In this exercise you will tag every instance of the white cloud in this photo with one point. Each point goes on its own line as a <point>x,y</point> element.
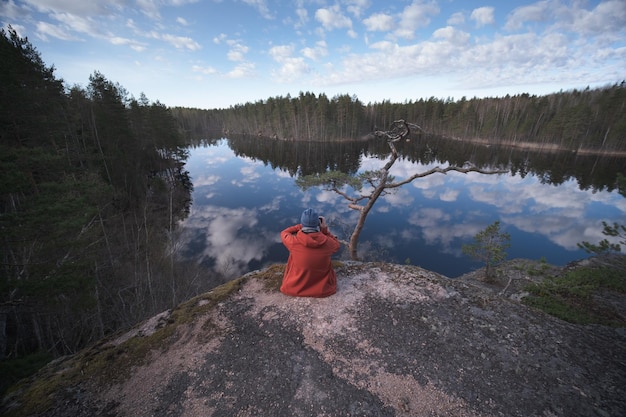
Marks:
<point>302,14</point>
<point>452,35</point>
<point>483,16</point>
<point>315,53</point>
<point>206,180</point>
<point>204,70</point>
<point>245,69</point>
<point>398,197</point>
<point>237,52</point>
<point>219,38</point>
<point>213,159</point>
<point>456,19</point>
<point>325,196</point>
<point>78,8</point>
<point>291,68</point>
<point>357,7</point>
<point>78,24</point>
<point>435,225</point>
<point>149,7</point>
<point>130,23</point>
<point>379,22</point>
<point>415,16</point>
<point>281,52</point>
<point>384,46</point>
<point>449,195</point>
<point>608,17</point>
<point>549,57</point>
<point>332,18</point>
<point>537,12</point>
<point>273,205</point>
<point>543,45</point>
<point>10,10</point>
<point>230,240</point>
<point>261,6</point>
<point>45,29</point>
<point>249,174</point>
<point>180,42</point>
<point>430,182</point>
<point>515,195</point>
<point>136,46</point>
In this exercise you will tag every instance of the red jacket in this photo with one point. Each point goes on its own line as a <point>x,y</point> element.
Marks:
<point>309,272</point>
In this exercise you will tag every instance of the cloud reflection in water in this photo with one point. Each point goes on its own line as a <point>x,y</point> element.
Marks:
<point>241,204</point>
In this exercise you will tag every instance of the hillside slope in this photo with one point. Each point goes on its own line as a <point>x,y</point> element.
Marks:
<point>394,341</point>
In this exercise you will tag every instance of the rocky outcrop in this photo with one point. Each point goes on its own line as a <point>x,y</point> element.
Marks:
<point>394,341</point>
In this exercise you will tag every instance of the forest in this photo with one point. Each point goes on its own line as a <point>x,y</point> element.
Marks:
<point>589,120</point>
<point>591,172</point>
<point>93,182</point>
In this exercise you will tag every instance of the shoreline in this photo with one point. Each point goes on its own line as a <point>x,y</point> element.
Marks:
<point>540,147</point>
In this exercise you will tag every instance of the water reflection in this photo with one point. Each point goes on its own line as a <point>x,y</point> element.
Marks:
<point>241,202</point>
<point>228,239</point>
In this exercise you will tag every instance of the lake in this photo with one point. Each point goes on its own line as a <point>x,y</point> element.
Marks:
<point>245,194</point>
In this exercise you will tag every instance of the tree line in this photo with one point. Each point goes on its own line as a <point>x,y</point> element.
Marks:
<point>298,158</point>
<point>93,182</point>
<point>589,119</point>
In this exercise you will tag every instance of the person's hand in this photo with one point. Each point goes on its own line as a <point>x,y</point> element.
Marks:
<point>323,224</point>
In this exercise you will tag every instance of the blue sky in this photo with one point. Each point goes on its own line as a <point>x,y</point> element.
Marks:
<point>218,53</point>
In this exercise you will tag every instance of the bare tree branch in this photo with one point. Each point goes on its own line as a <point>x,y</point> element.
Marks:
<point>444,171</point>
<point>380,180</point>
<point>400,129</point>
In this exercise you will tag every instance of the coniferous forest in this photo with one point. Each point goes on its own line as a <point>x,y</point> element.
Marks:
<point>93,183</point>
<point>588,120</point>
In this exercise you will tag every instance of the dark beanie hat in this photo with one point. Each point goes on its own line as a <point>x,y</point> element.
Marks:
<point>310,219</point>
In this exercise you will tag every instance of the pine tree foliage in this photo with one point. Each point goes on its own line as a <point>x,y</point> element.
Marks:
<point>92,183</point>
<point>489,247</point>
<point>616,231</point>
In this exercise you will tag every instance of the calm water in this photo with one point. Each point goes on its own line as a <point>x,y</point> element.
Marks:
<point>241,203</point>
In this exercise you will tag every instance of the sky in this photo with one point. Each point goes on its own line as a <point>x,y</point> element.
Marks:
<point>219,53</point>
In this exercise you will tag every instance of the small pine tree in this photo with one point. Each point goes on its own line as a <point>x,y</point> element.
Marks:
<point>489,247</point>
<point>604,247</point>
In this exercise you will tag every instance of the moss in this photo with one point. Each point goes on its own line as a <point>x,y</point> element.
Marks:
<point>13,370</point>
<point>36,394</point>
<point>578,311</point>
<point>272,276</point>
<point>570,297</point>
<point>539,269</point>
<point>337,264</point>
<point>106,363</point>
<point>201,304</point>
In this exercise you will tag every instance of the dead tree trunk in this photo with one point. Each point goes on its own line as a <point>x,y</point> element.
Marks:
<point>400,130</point>
<point>380,181</point>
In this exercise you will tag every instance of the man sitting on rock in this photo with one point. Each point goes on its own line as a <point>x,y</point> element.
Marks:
<point>309,272</point>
